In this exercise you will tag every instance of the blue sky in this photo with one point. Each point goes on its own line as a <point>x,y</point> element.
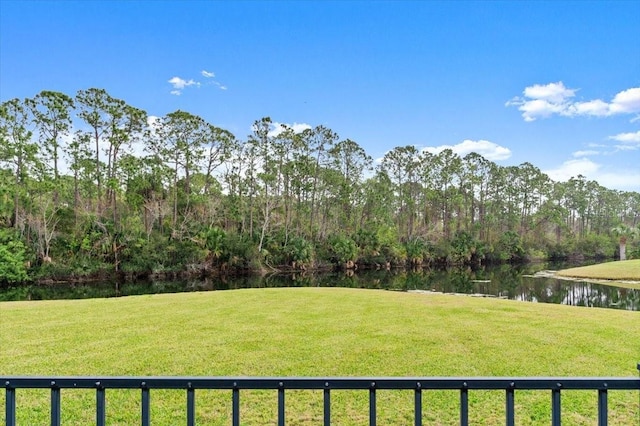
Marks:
<point>556,84</point>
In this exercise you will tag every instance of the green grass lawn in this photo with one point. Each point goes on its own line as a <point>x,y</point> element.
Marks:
<point>620,270</point>
<point>317,332</point>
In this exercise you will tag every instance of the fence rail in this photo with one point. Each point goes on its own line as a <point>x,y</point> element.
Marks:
<point>555,385</point>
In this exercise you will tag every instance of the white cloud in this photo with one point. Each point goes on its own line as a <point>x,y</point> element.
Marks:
<point>278,128</point>
<point>539,108</point>
<point>629,141</point>
<point>300,127</point>
<point>596,108</point>
<point>179,84</point>
<point>541,101</point>
<point>211,74</point>
<point>220,86</point>
<point>626,102</point>
<point>586,153</point>
<point>553,92</point>
<point>627,137</point>
<point>573,168</point>
<point>489,150</point>
<point>621,179</point>
<point>624,180</point>
<point>152,122</point>
<point>152,119</point>
<point>627,147</point>
<point>597,145</point>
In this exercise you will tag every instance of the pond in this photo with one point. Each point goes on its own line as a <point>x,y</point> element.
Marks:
<point>504,281</point>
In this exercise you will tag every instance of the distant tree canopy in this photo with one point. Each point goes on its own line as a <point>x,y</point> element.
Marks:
<point>78,199</point>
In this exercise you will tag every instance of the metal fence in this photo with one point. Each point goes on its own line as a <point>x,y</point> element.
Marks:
<point>554,385</point>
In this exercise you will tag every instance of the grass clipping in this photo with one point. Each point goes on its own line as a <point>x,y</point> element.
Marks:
<point>317,332</point>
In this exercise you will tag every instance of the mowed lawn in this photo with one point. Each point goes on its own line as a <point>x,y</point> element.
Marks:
<point>317,332</point>
<point>619,270</point>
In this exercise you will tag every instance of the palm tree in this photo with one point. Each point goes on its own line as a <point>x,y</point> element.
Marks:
<point>624,232</point>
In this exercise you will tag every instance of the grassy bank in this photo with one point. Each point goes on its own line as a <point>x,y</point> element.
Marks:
<point>317,332</point>
<point>627,270</point>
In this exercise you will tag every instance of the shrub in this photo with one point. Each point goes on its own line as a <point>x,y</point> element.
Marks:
<point>12,259</point>
<point>596,246</point>
<point>418,250</point>
<point>509,248</point>
<point>299,250</point>
<point>214,242</point>
<point>343,248</point>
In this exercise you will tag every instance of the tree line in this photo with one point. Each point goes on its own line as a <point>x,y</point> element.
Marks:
<point>77,201</point>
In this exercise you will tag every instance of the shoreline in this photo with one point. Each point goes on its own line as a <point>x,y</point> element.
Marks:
<point>610,282</point>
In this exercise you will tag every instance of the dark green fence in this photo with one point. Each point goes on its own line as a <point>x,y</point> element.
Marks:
<point>554,385</point>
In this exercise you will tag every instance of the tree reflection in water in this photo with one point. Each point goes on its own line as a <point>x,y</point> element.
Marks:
<point>504,281</point>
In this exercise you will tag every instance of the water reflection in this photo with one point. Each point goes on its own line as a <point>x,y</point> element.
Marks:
<point>504,281</point>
